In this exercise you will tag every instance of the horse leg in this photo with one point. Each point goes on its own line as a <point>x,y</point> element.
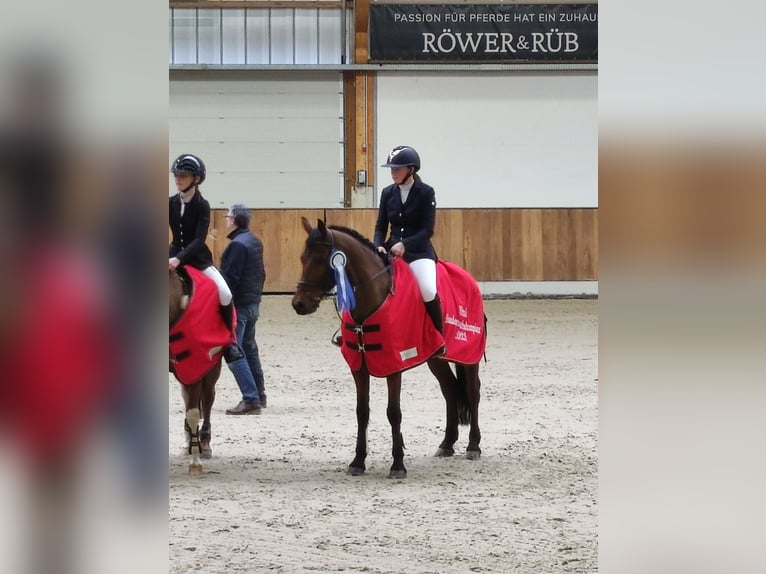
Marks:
<point>192,395</point>
<point>187,431</point>
<point>473,390</point>
<point>394,414</point>
<point>362,381</point>
<point>192,419</point>
<point>448,383</point>
<point>208,398</point>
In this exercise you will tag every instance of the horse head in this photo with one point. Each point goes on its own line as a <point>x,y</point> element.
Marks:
<point>336,255</point>
<point>317,278</point>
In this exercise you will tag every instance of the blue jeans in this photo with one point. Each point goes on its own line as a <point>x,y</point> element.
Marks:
<point>247,371</point>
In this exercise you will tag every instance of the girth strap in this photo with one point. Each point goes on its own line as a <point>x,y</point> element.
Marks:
<point>362,328</point>
<point>362,347</point>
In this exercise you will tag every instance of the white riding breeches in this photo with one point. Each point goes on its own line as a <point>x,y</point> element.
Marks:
<point>224,293</point>
<point>424,271</point>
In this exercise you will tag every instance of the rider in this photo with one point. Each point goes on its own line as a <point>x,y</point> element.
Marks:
<point>409,207</point>
<point>189,215</point>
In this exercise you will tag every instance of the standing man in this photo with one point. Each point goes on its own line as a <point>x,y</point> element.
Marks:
<point>242,267</point>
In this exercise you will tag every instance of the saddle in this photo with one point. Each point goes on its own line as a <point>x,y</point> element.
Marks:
<point>400,335</point>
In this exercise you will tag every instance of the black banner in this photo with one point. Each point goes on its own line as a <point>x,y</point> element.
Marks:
<point>484,33</point>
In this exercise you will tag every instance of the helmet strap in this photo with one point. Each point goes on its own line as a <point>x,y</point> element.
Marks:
<point>407,177</point>
<point>193,184</point>
<point>188,187</point>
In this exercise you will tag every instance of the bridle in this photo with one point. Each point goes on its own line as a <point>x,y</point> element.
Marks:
<point>326,291</point>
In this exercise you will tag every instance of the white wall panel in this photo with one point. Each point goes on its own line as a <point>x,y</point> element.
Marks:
<point>330,32</point>
<point>499,139</point>
<point>258,38</point>
<point>306,34</point>
<point>236,36</point>
<point>209,35</point>
<point>233,34</point>
<point>282,36</point>
<point>269,139</point>
<point>184,31</point>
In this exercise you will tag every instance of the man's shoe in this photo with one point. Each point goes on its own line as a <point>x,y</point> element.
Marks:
<point>263,403</point>
<point>245,408</point>
<point>233,353</point>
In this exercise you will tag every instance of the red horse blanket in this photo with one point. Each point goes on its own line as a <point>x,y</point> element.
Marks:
<point>61,358</point>
<point>400,335</point>
<point>198,336</point>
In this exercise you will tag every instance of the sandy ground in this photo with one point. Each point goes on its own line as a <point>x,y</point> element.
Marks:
<point>276,496</point>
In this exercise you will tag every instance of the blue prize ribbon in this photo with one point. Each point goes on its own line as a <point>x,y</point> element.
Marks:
<point>346,298</point>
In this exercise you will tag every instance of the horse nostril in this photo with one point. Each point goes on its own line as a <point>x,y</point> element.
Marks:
<point>298,306</point>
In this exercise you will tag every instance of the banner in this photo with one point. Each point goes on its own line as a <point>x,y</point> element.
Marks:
<point>483,33</point>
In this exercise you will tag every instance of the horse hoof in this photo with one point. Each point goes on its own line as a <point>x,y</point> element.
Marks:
<point>355,471</point>
<point>195,469</point>
<point>206,454</point>
<point>397,474</point>
<point>473,454</point>
<point>444,452</point>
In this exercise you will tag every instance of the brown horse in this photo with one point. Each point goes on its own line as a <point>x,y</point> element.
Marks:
<point>371,281</point>
<point>198,395</point>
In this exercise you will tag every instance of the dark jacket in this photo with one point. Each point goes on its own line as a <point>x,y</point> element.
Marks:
<point>190,231</point>
<point>411,223</point>
<point>242,267</point>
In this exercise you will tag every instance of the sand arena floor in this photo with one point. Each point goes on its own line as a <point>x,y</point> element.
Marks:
<point>276,496</point>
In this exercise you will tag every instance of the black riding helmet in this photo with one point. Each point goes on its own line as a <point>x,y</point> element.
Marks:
<point>191,164</point>
<point>403,156</point>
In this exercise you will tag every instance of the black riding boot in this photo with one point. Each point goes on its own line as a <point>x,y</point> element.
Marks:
<point>231,352</point>
<point>434,309</point>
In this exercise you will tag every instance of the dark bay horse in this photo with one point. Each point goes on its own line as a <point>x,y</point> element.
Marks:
<point>198,394</point>
<point>371,281</point>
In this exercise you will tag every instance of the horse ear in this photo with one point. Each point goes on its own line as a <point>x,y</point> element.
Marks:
<point>321,226</point>
<point>306,225</point>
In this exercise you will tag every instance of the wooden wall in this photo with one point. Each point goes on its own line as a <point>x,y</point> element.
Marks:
<point>492,244</point>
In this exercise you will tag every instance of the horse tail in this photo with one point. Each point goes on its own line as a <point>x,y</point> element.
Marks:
<point>461,396</point>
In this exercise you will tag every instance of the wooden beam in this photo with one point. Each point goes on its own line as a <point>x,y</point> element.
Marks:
<point>361,30</point>
<point>349,135</point>
<point>363,90</point>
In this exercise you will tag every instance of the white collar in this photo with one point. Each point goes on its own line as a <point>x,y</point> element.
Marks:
<point>186,197</point>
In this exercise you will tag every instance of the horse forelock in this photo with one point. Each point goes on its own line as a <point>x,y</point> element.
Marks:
<point>314,238</point>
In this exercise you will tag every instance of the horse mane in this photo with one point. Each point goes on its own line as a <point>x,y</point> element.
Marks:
<point>356,235</point>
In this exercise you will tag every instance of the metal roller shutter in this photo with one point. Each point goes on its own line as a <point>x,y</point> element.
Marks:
<point>269,139</point>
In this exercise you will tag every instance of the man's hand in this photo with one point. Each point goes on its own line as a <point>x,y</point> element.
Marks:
<point>173,262</point>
